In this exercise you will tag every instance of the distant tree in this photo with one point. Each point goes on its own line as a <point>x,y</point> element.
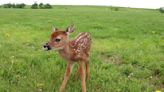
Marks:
<point>47,6</point>
<point>116,9</point>
<point>161,9</point>
<point>22,5</point>
<point>34,6</point>
<point>13,6</point>
<point>41,5</point>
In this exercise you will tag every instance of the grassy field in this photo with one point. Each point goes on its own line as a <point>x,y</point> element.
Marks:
<point>127,53</point>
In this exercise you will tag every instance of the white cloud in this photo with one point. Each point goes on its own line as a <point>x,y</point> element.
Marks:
<point>124,3</point>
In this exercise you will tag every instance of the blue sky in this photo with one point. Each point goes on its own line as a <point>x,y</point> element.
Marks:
<point>123,3</point>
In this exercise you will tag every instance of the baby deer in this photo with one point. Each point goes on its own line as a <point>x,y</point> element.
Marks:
<point>76,50</point>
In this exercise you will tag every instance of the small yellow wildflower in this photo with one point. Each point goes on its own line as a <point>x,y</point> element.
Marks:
<point>7,35</point>
<point>18,77</point>
<point>157,91</point>
<point>40,85</point>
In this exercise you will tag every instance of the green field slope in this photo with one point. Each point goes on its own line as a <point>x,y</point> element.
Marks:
<point>127,52</point>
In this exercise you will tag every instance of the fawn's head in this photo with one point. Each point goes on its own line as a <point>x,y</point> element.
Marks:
<point>59,38</point>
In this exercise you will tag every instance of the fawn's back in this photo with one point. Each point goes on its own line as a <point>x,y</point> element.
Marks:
<point>81,45</point>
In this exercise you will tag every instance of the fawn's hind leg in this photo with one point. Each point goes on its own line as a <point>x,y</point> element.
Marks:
<point>82,76</point>
<point>87,70</point>
<point>77,74</point>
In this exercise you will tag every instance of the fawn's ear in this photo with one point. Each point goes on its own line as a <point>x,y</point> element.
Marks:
<point>53,29</point>
<point>70,29</point>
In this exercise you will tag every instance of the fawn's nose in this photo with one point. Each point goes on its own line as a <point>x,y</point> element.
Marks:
<point>46,47</point>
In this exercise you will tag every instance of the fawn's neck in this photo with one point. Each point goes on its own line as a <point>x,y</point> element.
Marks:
<point>66,51</point>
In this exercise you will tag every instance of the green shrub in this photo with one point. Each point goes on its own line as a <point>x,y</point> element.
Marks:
<point>115,8</point>
<point>161,9</point>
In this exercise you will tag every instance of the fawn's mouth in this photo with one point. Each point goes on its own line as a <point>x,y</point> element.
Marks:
<point>46,47</point>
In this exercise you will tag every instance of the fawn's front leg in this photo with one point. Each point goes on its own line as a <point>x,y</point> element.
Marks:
<point>66,77</point>
<point>82,76</point>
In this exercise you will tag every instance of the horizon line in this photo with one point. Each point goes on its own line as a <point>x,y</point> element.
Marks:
<point>87,5</point>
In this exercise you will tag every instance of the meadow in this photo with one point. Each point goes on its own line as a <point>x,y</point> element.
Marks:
<point>127,53</point>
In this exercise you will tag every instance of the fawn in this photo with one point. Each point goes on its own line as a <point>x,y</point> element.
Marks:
<point>76,50</point>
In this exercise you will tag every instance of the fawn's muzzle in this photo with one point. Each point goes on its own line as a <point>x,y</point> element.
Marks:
<point>46,47</point>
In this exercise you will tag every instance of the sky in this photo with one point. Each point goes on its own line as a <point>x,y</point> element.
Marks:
<point>152,4</point>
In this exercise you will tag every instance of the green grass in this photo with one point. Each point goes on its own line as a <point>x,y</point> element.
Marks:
<point>127,53</point>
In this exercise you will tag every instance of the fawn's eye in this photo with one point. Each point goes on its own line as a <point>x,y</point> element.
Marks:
<point>57,40</point>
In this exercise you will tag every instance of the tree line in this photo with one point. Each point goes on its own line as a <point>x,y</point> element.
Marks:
<point>41,6</point>
<point>9,5</point>
<point>22,5</point>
